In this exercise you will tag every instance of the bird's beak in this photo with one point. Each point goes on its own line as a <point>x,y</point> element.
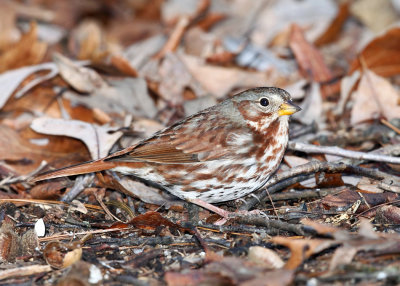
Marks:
<point>288,108</point>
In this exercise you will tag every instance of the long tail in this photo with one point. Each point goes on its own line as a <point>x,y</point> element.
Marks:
<point>83,168</point>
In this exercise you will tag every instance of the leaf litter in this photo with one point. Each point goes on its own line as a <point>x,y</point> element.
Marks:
<point>82,79</point>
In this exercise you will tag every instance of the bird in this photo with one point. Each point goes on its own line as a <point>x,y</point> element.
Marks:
<point>219,154</point>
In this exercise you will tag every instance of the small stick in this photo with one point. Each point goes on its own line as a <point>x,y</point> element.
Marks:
<point>390,125</point>
<point>309,148</point>
<point>314,167</point>
<point>174,38</point>
<point>24,271</point>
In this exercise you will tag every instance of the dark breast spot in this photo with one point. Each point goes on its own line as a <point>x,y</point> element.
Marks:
<point>264,141</point>
<point>202,176</point>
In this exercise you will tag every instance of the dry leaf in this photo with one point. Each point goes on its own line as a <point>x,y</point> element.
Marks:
<point>195,105</point>
<point>333,31</point>
<point>369,185</point>
<point>388,215</point>
<point>220,81</point>
<point>86,41</point>
<point>19,151</point>
<point>258,58</point>
<point>231,271</point>
<point>28,51</point>
<point>382,54</point>
<point>120,96</point>
<point>149,194</point>
<point>374,98</point>
<point>294,161</point>
<point>98,139</point>
<point>140,53</point>
<point>123,65</point>
<point>173,77</point>
<point>81,273</point>
<point>347,85</point>
<point>80,78</point>
<point>377,15</point>
<point>301,249</point>
<point>366,240</point>
<point>265,257</point>
<point>9,32</point>
<point>310,60</point>
<point>320,227</point>
<point>312,110</point>
<point>10,80</point>
<point>315,15</point>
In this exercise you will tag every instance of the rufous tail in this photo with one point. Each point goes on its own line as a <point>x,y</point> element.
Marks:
<point>79,169</point>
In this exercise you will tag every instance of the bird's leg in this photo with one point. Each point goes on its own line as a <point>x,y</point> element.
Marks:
<point>210,207</point>
<point>226,215</point>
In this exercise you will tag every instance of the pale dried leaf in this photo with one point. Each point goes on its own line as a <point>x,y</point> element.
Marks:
<point>377,15</point>
<point>381,53</point>
<point>342,256</point>
<point>140,53</point>
<point>10,80</point>
<point>311,107</point>
<point>173,9</point>
<point>369,185</point>
<point>199,43</point>
<point>28,51</point>
<point>149,194</point>
<point>76,205</point>
<point>220,80</point>
<point>351,180</point>
<point>374,97</point>
<point>265,257</point>
<point>346,86</point>
<point>175,78</point>
<point>98,139</point>
<point>72,257</point>
<point>297,89</point>
<point>294,161</point>
<point>195,105</point>
<point>9,32</point>
<point>366,229</point>
<point>315,15</point>
<point>128,95</point>
<point>86,40</point>
<point>80,78</point>
<point>259,58</point>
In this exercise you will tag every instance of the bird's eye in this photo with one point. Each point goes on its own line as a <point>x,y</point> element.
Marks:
<point>264,101</point>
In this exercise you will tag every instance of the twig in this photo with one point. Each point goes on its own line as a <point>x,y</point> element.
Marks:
<point>175,37</point>
<point>69,235</point>
<point>277,224</point>
<point>24,271</point>
<point>273,187</point>
<point>132,242</point>
<point>272,202</point>
<point>80,184</point>
<point>99,200</point>
<point>309,148</point>
<point>314,167</point>
<point>23,178</point>
<point>390,125</point>
<point>306,194</point>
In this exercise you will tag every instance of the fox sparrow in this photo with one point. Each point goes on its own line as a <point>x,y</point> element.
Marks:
<point>219,154</point>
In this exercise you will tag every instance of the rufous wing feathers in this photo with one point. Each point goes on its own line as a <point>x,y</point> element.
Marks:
<point>79,169</point>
